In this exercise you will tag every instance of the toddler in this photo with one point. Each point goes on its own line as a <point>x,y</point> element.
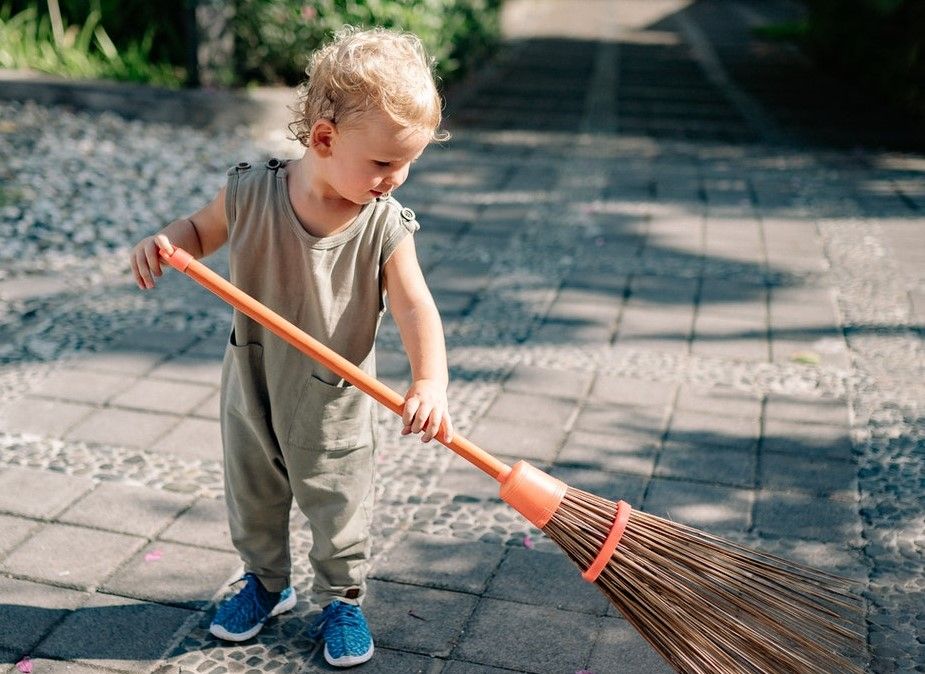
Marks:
<point>322,241</point>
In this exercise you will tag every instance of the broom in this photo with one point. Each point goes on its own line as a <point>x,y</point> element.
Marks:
<point>707,605</point>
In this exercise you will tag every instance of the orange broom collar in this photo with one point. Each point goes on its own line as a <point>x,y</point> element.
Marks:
<point>610,544</point>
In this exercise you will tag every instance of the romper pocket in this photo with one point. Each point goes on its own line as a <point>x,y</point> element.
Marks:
<point>331,417</point>
<point>244,387</point>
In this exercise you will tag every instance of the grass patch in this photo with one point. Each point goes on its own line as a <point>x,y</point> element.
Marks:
<point>34,41</point>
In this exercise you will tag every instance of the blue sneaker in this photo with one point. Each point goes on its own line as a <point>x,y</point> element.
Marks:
<point>347,641</point>
<point>243,616</point>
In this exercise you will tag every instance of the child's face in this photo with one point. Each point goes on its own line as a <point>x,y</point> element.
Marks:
<point>371,156</point>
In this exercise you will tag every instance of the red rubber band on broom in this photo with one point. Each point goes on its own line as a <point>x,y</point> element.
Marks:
<point>610,543</point>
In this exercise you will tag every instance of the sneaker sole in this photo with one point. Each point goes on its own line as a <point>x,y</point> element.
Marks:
<point>218,631</point>
<point>348,660</point>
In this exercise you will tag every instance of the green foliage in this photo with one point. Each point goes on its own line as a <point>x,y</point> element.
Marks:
<point>30,39</point>
<point>274,39</point>
<point>147,41</point>
<point>790,31</point>
<point>881,43</point>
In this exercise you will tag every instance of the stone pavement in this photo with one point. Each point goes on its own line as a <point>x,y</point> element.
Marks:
<point>659,280</point>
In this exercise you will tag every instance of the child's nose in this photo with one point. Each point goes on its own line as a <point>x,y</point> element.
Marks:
<point>396,178</point>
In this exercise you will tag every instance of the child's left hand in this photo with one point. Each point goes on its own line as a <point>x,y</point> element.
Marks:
<point>426,408</point>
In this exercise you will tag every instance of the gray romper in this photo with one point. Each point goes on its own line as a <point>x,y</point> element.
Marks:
<point>290,427</point>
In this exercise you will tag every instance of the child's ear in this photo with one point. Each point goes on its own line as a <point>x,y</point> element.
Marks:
<point>322,137</point>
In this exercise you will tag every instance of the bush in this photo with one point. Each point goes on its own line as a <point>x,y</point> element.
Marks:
<point>30,39</point>
<point>274,39</point>
<point>881,43</point>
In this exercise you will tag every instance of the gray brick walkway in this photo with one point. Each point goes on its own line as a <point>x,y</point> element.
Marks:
<point>657,282</point>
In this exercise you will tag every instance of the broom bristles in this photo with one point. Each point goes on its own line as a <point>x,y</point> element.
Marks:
<point>711,606</point>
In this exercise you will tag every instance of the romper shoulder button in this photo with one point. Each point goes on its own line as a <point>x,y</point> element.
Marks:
<point>242,165</point>
<point>274,164</point>
<point>407,214</point>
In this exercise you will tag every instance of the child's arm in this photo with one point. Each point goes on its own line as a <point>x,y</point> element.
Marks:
<point>201,234</point>
<point>422,336</point>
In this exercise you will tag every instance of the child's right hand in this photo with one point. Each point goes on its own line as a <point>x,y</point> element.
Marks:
<point>146,262</point>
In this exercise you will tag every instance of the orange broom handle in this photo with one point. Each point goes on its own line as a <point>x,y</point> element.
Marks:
<point>183,261</point>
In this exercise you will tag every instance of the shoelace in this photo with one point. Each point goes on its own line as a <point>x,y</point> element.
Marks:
<point>336,615</point>
<point>247,599</point>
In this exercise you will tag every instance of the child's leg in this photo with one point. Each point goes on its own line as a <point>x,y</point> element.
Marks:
<point>258,499</point>
<point>336,494</point>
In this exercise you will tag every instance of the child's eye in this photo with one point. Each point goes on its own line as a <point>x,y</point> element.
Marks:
<point>382,163</point>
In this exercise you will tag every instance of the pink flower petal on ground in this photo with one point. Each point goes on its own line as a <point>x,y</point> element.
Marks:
<point>154,556</point>
<point>528,542</point>
<point>25,665</point>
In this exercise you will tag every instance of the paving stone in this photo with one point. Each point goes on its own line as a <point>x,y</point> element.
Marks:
<point>809,474</point>
<point>442,563</point>
<point>130,363</point>
<point>170,573</point>
<point>625,391</point>
<point>534,441</point>
<point>703,431</point>
<point>807,410</point>
<point>802,516</point>
<point>606,485</point>
<point>205,524</point>
<point>707,463</point>
<point>192,440</point>
<point>713,508</point>
<point>210,409</point>
<point>416,619</point>
<point>122,428</point>
<point>386,661</point>
<point>531,638</point>
<point>633,422</point>
<point>36,416</point>
<point>191,369</point>
<point>72,556</point>
<point>662,329</point>
<point>81,386</point>
<point>47,666</point>
<point>656,291</point>
<point>212,348</point>
<point>817,440</point>
<point>609,453</point>
<point>457,667</point>
<point>562,384</point>
<point>127,509</point>
<point>36,493</point>
<point>463,479</point>
<point>730,338</point>
<point>116,633</point>
<point>154,339</point>
<point>544,579</point>
<point>719,401</point>
<point>31,609</point>
<point>163,396</point>
<point>620,648</point>
<point>13,531</point>
<point>555,331</point>
<point>539,410</point>
<point>732,298</point>
<point>567,308</point>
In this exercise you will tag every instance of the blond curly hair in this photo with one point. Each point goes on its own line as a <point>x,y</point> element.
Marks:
<point>364,70</point>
